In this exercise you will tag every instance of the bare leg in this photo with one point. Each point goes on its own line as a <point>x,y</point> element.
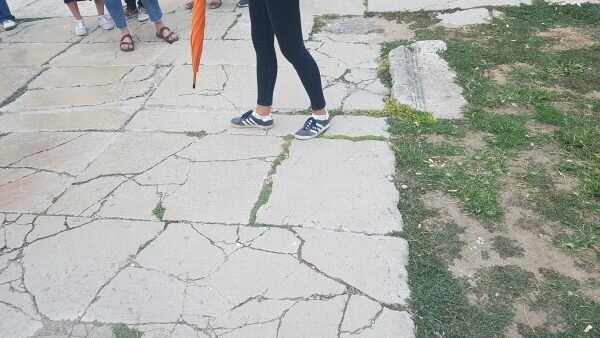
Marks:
<point>263,110</point>
<point>320,112</point>
<point>74,8</point>
<point>100,7</point>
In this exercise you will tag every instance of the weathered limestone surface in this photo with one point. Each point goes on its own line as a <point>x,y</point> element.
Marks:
<point>355,177</point>
<point>424,81</point>
<point>18,77</point>
<point>467,17</point>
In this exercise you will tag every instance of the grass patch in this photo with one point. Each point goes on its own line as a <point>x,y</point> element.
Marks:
<point>123,331</point>
<point>267,188</point>
<point>507,247</point>
<point>198,134</point>
<point>507,70</point>
<point>159,211</point>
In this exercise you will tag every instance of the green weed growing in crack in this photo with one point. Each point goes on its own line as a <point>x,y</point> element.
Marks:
<point>123,331</point>
<point>267,188</point>
<point>159,211</point>
<point>198,134</point>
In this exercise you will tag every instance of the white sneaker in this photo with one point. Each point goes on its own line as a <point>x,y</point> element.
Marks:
<point>80,29</point>
<point>9,24</point>
<point>105,22</point>
<point>143,15</point>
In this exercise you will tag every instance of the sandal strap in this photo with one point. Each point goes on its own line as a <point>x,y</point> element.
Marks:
<point>160,31</point>
<point>125,37</point>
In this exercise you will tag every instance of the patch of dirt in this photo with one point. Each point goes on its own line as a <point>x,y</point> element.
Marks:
<point>567,38</point>
<point>528,317</point>
<point>472,142</point>
<point>566,106</point>
<point>539,251</point>
<point>501,73</point>
<point>513,110</point>
<point>595,95</point>
<point>535,128</point>
<point>549,157</point>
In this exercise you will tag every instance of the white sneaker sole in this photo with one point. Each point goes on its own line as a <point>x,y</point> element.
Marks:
<point>256,126</point>
<point>298,137</point>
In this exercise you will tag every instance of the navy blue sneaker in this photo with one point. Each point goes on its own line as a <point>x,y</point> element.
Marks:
<point>243,3</point>
<point>312,128</point>
<point>249,121</point>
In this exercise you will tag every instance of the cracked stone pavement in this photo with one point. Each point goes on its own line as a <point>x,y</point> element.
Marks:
<point>93,140</point>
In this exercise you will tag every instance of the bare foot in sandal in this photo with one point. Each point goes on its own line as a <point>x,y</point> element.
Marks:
<point>214,4</point>
<point>165,33</point>
<point>189,5</point>
<point>126,43</point>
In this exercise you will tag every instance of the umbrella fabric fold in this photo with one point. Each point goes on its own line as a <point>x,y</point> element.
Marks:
<point>197,36</point>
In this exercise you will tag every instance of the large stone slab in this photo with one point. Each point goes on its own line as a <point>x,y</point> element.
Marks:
<point>18,77</point>
<point>357,126</point>
<point>233,148</point>
<point>108,54</point>
<point>215,193</point>
<point>46,31</point>
<point>30,54</point>
<point>85,199</point>
<point>131,201</point>
<point>70,97</point>
<point>59,77</point>
<point>33,193</point>
<point>466,17</point>
<point>44,9</point>
<point>430,5</point>
<point>355,177</point>
<point>72,157</point>
<point>17,146</point>
<point>70,120</point>
<point>65,283</point>
<point>423,80</point>
<point>220,278</point>
<point>15,323</point>
<point>134,153</point>
<point>375,265</point>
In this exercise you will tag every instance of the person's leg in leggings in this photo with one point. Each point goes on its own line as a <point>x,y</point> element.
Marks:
<point>5,12</point>
<point>284,16</point>
<point>263,39</point>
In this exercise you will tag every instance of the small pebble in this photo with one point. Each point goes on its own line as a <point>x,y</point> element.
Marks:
<point>404,186</point>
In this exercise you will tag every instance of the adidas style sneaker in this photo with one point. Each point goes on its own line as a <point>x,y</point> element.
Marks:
<point>250,120</point>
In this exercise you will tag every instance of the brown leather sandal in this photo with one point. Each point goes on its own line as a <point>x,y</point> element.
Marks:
<point>124,44</point>
<point>166,38</point>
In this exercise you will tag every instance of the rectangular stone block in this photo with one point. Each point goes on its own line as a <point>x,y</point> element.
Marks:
<point>349,185</point>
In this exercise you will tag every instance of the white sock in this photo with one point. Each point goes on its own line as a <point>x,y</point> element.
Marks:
<point>321,117</point>
<point>260,117</point>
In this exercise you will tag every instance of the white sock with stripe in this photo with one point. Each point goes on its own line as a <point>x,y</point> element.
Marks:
<point>260,117</point>
<point>321,117</point>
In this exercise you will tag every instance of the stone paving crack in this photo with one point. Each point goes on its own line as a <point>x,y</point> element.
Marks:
<point>120,269</point>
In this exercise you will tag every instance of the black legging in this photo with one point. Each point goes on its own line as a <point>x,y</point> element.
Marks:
<point>281,18</point>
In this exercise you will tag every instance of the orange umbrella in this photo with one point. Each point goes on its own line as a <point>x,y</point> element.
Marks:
<point>197,37</point>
